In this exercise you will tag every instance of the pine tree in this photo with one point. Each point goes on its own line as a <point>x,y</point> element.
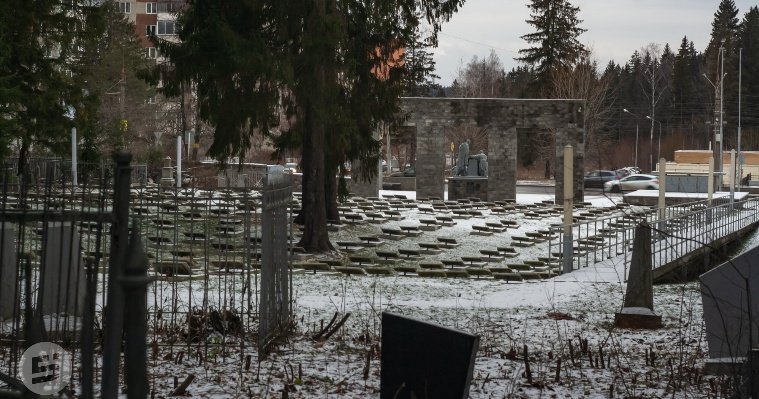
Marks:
<point>724,35</point>
<point>556,45</point>
<point>327,65</point>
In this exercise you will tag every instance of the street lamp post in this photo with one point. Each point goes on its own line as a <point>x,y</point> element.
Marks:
<point>658,149</point>
<point>636,134</point>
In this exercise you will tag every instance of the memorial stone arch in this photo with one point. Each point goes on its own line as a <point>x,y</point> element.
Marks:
<point>501,118</point>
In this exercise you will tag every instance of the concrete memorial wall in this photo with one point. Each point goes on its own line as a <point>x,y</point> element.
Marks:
<point>501,118</point>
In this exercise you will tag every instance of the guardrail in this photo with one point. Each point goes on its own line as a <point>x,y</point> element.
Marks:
<point>683,229</point>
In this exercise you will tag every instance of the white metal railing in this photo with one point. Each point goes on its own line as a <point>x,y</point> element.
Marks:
<point>683,229</point>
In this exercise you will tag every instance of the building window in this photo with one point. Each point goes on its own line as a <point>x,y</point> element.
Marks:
<point>165,27</point>
<point>150,8</point>
<point>150,30</point>
<point>151,52</point>
<point>125,7</point>
<point>151,100</point>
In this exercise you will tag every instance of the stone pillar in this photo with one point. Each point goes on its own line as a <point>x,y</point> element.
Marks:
<point>572,135</point>
<point>638,311</point>
<point>430,160</point>
<point>502,163</point>
<point>9,274</point>
<point>361,188</point>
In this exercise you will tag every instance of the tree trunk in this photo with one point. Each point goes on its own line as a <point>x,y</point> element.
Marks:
<point>315,237</point>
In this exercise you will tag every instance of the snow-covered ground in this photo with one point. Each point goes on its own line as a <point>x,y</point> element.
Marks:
<point>569,317</point>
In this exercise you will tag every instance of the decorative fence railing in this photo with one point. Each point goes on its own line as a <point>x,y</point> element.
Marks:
<point>679,230</point>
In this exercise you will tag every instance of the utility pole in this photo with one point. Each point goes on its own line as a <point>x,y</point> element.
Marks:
<point>721,109</point>
<point>740,154</point>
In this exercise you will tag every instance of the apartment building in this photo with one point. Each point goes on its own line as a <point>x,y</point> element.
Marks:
<point>152,17</point>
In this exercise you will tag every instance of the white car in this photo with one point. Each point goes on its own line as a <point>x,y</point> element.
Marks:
<point>633,182</point>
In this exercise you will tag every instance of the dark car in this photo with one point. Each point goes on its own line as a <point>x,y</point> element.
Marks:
<point>409,172</point>
<point>597,178</point>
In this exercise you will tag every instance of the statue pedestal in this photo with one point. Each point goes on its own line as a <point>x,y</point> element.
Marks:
<point>637,318</point>
<point>460,187</point>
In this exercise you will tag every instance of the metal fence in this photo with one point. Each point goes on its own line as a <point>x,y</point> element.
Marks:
<point>204,249</point>
<point>680,230</point>
<point>276,276</point>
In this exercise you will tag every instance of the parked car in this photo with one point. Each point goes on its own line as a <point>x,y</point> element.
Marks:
<point>624,172</point>
<point>291,167</point>
<point>409,172</point>
<point>633,182</point>
<point>597,178</point>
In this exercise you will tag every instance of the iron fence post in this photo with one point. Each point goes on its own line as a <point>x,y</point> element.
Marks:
<point>135,286</point>
<point>114,313</point>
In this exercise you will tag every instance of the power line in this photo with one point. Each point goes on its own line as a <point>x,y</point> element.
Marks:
<point>478,43</point>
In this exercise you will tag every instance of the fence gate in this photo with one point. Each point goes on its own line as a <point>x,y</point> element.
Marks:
<point>276,283</point>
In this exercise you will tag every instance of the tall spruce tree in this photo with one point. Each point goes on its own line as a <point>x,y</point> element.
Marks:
<point>38,42</point>
<point>327,65</point>
<point>555,41</point>
<point>749,42</point>
<point>419,66</point>
<point>724,34</point>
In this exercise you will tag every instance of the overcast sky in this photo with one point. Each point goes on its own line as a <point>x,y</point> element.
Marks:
<point>615,28</point>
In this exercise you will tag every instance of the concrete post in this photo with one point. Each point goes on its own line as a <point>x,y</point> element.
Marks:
<point>179,161</point>
<point>662,188</point>
<point>732,178</point>
<point>710,182</point>
<point>74,181</point>
<point>568,197</point>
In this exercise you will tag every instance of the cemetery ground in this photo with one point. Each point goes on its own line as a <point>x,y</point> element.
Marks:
<point>540,337</point>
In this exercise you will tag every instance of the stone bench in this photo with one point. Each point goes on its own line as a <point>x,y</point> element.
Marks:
<point>431,265</point>
<point>496,227</point>
<point>431,273</point>
<point>375,218</point>
<point>535,236</point>
<point>429,225</point>
<point>361,261</point>
<point>312,266</point>
<point>461,214</point>
<point>392,233</point>
<point>510,224</point>
<point>492,255</point>
<point>448,242</point>
<point>457,273</point>
<point>481,231</point>
<point>370,241</point>
<point>410,254</point>
<point>350,245</point>
<point>519,241</point>
<point>411,231</point>
<point>430,248</point>
<point>478,272</point>
<point>405,269</point>
<point>388,257</point>
<point>353,218</point>
<point>446,221</point>
<point>393,215</point>
<point>508,252</point>
<point>519,267</point>
<point>426,209</point>
<point>473,261</point>
<point>453,262</point>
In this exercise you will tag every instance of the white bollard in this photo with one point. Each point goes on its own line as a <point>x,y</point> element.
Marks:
<point>179,161</point>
